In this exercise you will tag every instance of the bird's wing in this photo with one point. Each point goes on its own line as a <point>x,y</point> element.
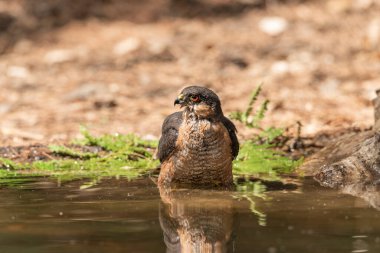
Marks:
<point>232,132</point>
<point>169,135</point>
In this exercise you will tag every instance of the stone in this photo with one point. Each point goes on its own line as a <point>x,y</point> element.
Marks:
<point>273,26</point>
<point>18,72</point>
<point>127,46</point>
<point>59,56</point>
<point>373,33</point>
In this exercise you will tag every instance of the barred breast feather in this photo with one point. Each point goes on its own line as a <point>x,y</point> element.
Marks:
<point>197,151</point>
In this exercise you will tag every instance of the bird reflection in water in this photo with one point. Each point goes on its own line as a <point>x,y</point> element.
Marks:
<point>197,220</point>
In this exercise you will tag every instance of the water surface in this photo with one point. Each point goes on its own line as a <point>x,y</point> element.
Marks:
<point>114,215</point>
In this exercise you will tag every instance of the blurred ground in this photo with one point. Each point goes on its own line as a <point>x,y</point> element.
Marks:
<point>117,66</point>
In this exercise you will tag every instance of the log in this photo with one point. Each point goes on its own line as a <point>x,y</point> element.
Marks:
<point>351,159</point>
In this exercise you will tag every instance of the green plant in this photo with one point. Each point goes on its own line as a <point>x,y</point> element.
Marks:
<point>258,157</point>
<point>251,118</point>
<point>69,152</point>
<point>262,161</point>
<point>123,155</point>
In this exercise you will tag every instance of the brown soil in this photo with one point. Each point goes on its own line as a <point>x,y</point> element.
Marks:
<point>117,67</point>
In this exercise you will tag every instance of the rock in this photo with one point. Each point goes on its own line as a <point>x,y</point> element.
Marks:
<point>352,159</point>
<point>280,67</point>
<point>361,165</point>
<point>4,108</point>
<point>373,33</point>
<point>273,26</point>
<point>158,45</point>
<point>127,46</point>
<point>18,72</point>
<point>59,56</point>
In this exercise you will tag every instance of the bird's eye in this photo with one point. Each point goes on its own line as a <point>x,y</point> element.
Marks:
<point>195,98</point>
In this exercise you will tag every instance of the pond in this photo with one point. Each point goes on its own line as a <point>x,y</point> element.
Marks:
<point>117,215</point>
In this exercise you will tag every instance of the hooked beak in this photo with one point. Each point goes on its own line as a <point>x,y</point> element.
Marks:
<point>179,100</point>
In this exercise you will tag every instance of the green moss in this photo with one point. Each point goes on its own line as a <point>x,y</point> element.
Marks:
<point>65,151</point>
<point>262,161</point>
<point>124,155</point>
<point>94,167</point>
<point>7,165</point>
<point>117,142</point>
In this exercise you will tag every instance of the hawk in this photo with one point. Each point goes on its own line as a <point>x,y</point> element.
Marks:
<point>198,144</point>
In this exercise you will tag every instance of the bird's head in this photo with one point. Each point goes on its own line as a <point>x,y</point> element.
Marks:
<point>200,101</point>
